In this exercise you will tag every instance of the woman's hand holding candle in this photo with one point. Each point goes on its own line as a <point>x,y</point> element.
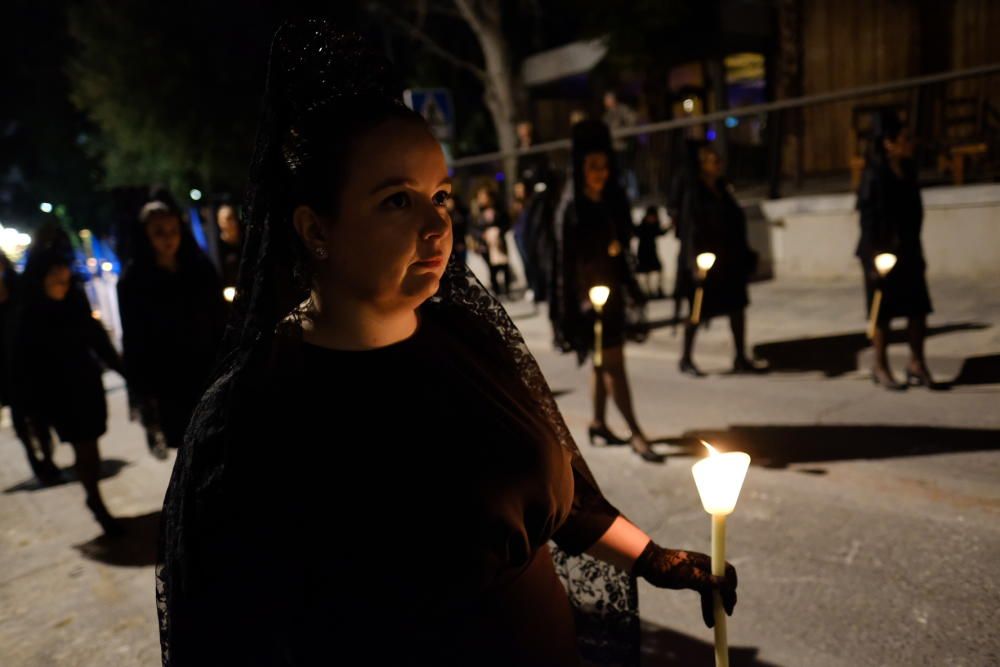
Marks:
<point>670,568</point>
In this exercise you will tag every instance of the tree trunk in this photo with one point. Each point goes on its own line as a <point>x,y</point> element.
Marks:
<point>504,92</point>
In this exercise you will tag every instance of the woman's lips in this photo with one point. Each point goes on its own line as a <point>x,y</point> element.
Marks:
<point>432,262</point>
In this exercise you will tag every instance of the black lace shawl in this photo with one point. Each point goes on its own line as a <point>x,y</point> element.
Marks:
<point>604,598</point>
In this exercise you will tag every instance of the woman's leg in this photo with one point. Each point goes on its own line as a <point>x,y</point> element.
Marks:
<point>881,373</point>
<point>687,362</point>
<point>618,386</point>
<point>88,469</point>
<point>599,396</point>
<point>738,324</point>
<point>917,370</point>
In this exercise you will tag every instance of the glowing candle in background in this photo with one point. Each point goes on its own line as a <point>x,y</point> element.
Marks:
<point>598,296</point>
<point>719,478</point>
<point>705,261</point>
<point>883,265</point>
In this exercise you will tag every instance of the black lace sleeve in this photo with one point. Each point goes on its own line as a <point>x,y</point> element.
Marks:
<point>589,518</point>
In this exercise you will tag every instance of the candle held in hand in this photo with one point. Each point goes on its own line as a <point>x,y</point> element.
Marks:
<point>719,479</point>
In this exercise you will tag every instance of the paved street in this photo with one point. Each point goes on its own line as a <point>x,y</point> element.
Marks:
<point>867,532</point>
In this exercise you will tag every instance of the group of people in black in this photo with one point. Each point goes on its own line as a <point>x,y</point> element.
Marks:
<point>56,348</point>
<point>585,237</point>
<point>347,342</point>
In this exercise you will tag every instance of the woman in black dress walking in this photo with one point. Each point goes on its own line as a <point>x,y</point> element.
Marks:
<point>650,268</point>
<point>891,216</point>
<point>714,222</point>
<point>37,442</point>
<point>438,466</point>
<point>595,229</point>
<point>59,349</point>
<point>173,314</point>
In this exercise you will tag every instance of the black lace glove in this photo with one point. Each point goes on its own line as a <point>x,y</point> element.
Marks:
<point>669,568</point>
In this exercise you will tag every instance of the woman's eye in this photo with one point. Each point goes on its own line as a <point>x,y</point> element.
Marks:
<point>441,198</point>
<point>397,200</point>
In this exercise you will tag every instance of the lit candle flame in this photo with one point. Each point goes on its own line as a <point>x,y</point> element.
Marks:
<point>712,451</point>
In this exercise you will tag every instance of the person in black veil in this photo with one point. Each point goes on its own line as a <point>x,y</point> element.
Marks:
<point>594,231</point>
<point>713,221</point>
<point>891,217</point>
<point>37,442</point>
<point>173,315</point>
<point>438,465</point>
<point>58,352</point>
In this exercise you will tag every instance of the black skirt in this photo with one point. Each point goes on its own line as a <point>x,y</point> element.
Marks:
<point>904,291</point>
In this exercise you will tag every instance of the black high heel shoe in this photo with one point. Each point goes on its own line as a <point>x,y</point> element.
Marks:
<point>687,367</point>
<point>645,451</point>
<point>885,379</point>
<point>604,433</point>
<point>920,379</point>
<point>112,526</point>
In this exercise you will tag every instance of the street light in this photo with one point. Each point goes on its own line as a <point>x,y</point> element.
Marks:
<point>884,262</point>
<point>719,478</point>
<point>705,261</point>
<point>195,194</point>
<point>598,296</point>
<point>45,207</point>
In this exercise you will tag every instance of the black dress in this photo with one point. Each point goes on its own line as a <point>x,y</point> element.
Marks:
<point>647,232</point>
<point>58,352</point>
<point>891,217</point>
<point>587,231</point>
<point>420,540</point>
<point>713,221</point>
<point>172,323</point>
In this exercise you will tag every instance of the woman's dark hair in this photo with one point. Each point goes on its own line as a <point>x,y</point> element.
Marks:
<point>40,262</point>
<point>593,136</point>
<point>886,125</point>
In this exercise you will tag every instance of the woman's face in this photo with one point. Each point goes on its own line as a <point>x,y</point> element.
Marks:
<point>229,224</point>
<point>596,171</point>
<point>902,146</point>
<point>711,165</point>
<point>56,283</point>
<point>164,232</point>
<point>483,198</point>
<point>391,237</point>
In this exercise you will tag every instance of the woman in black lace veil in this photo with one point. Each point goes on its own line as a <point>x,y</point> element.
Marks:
<point>333,497</point>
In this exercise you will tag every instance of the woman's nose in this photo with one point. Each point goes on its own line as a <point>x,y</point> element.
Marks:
<point>435,224</point>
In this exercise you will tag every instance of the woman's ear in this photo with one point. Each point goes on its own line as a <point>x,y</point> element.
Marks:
<point>309,227</point>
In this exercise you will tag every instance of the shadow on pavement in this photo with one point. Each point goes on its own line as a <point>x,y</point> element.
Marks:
<point>835,355</point>
<point>779,446</point>
<point>978,370</point>
<point>135,548</point>
<point>662,647</point>
<point>109,468</point>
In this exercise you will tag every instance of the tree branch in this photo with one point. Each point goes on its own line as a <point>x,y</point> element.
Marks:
<point>432,46</point>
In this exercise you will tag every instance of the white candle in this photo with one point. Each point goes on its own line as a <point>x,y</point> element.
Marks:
<point>719,479</point>
<point>598,296</point>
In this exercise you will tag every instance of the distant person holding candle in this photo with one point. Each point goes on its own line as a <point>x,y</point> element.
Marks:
<point>436,465</point>
<point>173,315</point>
<point>59,353</point>
<point>891,216</point>
<point>713,222</point>
<point>595,229</point>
